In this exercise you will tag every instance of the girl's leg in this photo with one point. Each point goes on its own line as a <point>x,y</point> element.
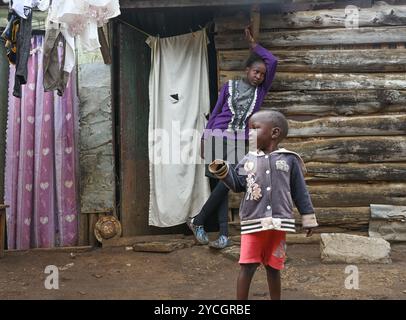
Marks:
<point>274,282</point>
<point>244,280</point>
<point>217,197</point>
<point>222,241</point>
<point>223,216</point>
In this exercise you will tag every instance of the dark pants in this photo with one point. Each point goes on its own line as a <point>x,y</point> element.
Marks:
<point>55,78</point>
<point>216,204</point>
<point>23,53</point>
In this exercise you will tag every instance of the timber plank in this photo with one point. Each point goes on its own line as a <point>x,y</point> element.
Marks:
<point>328,81</point>
<point>358,194</point>
<point>321,37</point>
<point>348,195</point>
<point>341,61</point>
<point>351,149</point>
<point>385,125</point>
<point>340,102</point>
<point>380,14</point>
<point>321,171</point>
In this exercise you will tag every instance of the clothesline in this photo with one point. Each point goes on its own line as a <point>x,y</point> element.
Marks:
<point>134,27</point>
<point>149,35</point>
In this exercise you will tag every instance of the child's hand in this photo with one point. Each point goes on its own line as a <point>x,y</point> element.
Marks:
<point>219,168</point>
<point>217,164</point>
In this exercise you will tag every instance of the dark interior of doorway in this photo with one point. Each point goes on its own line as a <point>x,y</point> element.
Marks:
<point>131,66</point>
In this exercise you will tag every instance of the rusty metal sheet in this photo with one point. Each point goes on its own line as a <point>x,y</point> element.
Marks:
<point>133,104</point>
<point>388,222</point>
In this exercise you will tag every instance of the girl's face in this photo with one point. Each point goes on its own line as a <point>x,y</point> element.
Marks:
<point>256,73</point>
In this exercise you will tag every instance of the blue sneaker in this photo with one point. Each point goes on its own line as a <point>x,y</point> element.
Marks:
<point>198,231</point>
<point>221,243</point>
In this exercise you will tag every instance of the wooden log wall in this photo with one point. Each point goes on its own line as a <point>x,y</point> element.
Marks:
<point>343,90</point>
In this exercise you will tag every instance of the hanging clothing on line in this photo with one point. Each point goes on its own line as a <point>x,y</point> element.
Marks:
<point>179,98</point>
<point>56,72</point>
<point>17,36</point>
<point>10,36</point>
<point>22,54</point>
<point>67,20</point>
<point>83,17</point>
<point>24,7</point>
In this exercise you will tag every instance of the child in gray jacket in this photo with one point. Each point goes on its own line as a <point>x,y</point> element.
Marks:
<point>271,178</point>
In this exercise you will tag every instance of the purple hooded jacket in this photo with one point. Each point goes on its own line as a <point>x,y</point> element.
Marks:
<point>222,113</point>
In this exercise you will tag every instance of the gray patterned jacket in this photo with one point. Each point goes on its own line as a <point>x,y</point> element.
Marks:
<point>270,182</point>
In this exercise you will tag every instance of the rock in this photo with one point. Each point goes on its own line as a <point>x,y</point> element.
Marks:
<point>346,248</point>
<point>163,246</point>
<point>66,267</point>
<point>259,294</point>
<point>232,253</point>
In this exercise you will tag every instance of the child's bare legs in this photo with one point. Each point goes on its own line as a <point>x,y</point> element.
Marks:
<point>244,280</point>
<point>274,282</point>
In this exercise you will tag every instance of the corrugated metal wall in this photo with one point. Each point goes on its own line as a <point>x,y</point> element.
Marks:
<point>4,66</point>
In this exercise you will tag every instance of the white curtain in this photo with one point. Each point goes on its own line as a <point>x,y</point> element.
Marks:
<point>179,98</point>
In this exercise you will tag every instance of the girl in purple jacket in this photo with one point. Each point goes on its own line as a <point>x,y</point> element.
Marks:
<point>226,133</point>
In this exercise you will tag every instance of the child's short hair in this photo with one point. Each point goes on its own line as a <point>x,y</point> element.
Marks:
<point>253,58</point>
<point>277,119</point>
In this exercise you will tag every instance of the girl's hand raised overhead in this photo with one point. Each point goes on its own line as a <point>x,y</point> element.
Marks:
<point>249,37</point>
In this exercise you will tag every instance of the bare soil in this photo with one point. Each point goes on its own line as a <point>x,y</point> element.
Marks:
<point>192,273</point>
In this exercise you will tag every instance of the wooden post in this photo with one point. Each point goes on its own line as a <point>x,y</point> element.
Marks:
<point>4,69</point>
<point>105,50</point>
<point>2,229</point>
<point>255,20</point>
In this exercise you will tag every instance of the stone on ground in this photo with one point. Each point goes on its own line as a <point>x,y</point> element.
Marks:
<point>346,248</point>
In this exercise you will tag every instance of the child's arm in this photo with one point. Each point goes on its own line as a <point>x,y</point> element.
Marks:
<point>270,60</point>
<point>301,197</point>
<point>229,175</point>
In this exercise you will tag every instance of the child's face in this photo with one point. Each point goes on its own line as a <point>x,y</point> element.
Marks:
<point>264,132</point>
<point>256,73</point>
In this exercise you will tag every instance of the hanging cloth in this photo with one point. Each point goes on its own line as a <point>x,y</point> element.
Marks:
<point>179,98</point>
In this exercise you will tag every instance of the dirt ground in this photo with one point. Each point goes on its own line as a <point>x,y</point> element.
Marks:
<point>192,273</point>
